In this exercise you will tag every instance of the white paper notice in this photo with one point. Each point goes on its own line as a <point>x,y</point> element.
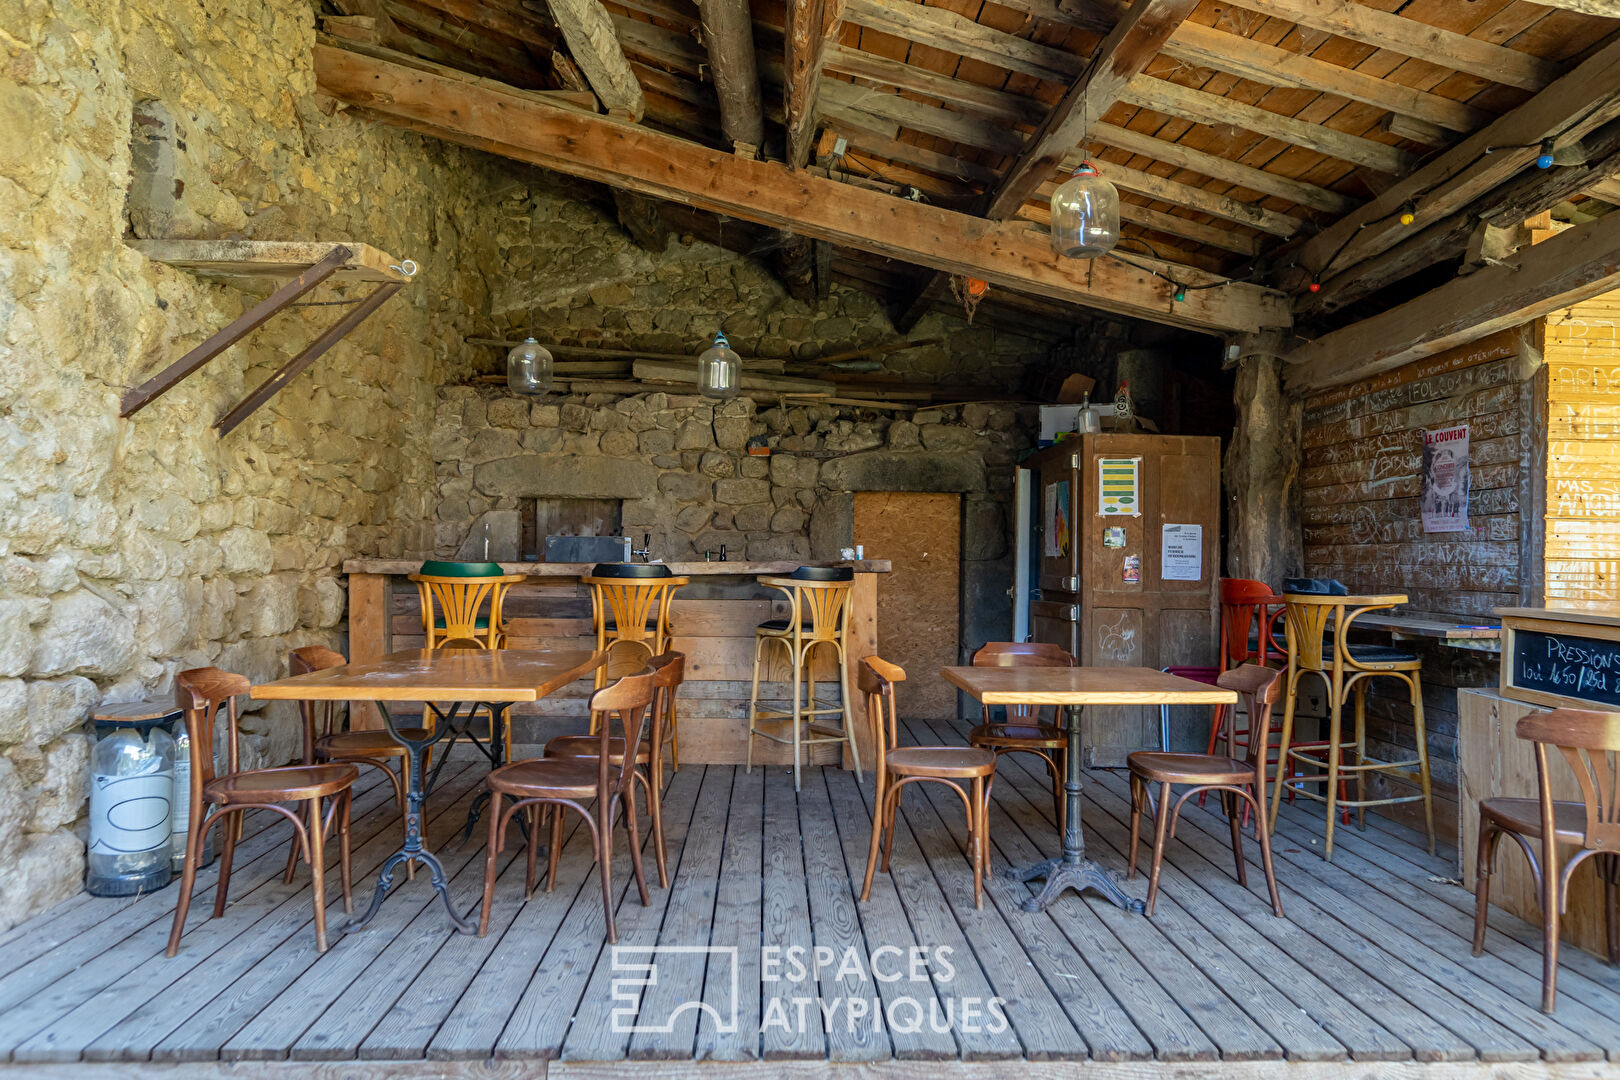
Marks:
<point>1181,553</point>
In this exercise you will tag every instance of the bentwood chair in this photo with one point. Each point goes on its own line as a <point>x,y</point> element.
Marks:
<point>1240,780</point>
<point>1319,628</point>
<point>817,625</point>
<point>326,740</point>
<point>630,606</point>
<point>568,782</point>
<point>453,596</point>
<point>1589,743</point>
<point>203,693</point>
<point>1023,732</point>
<point>669,671</point>
<point>1249,615</point>
<point>898,766</point>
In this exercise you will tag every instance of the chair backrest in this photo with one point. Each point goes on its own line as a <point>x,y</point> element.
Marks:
<point>669,671</point>
<point>822,606</point>
<point>1258,688</point>
<point>455,593</point>
<point>1021,654</point>
<point>628,604</point>
<point>320,717</point>
<point>1308,617</point>
<point>875,678</point>
<point>1589,742</point>
<point>201,693</point>
<point>630,699</point>
<point>1243,610</point>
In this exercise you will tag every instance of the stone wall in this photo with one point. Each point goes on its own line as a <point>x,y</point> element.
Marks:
<point>131,549</point>
<point>681,466</point>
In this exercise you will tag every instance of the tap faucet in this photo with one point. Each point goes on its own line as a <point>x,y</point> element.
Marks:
<point>644,552</point>
<point>722,553</point>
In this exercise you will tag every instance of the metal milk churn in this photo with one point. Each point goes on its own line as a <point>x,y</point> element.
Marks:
<point>131,800</point>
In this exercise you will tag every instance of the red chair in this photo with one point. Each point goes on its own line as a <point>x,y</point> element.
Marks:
<point>1249,609</point>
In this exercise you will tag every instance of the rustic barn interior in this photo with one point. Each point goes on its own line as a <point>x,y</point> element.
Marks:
<point>270,274</point>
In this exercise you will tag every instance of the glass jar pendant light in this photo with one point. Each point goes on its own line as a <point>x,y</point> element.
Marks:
<point>719,370</point>
<point>528,365</point>
<point>528,368</point>
<point>1085,215</point>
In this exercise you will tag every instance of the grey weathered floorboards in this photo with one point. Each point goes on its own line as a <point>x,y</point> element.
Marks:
<point>720,1036</point>
<point>788,1028</point>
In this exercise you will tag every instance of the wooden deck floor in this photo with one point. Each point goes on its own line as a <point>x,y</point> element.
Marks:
<point>1371,963</point>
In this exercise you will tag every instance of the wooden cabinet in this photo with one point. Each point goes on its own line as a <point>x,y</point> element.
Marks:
<point>1128,528</point>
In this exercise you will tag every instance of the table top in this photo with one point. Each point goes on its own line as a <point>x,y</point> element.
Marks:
<point>1083,686</point>
<point>1434,626</point>
<point>441,675</point>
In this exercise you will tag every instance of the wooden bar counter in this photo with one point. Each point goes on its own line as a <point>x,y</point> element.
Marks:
<point>712,622</point>
<point>1567,654</point>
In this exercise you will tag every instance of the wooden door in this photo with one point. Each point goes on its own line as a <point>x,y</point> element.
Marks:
<point>1136,611</point>
<point>919,600</point>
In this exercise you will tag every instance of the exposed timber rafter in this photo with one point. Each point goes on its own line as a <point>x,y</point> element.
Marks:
<point>728,36</point>
<point>811,25</point>
<point>1124,53</point>
<point>588,29</point>
<point>1566,269</point>
<point>624,155</point>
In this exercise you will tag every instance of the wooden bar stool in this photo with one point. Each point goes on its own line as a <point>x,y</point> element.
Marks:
<point>452,595</point>
<point>1319,643</point>
<point>562,782</point>
<point>326,740</point>
<point>818,620</point>
<point>630,605</point>
<point>669,671</point>
<point>1590,745</point>
<point>1023,732</point>
<point>1240,780</point>
<point>202,693</point>
<point>898,766</point>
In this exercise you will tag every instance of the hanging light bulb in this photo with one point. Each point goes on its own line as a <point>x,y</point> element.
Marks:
<point>1085,215</point>
<point>719,370</point>
<point>528,368</point>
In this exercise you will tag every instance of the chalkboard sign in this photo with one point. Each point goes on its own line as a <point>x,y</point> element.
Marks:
<point>1580,669</point>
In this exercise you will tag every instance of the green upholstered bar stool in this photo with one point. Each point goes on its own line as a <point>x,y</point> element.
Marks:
<point>453,595</point>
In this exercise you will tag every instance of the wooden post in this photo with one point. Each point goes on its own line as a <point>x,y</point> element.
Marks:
<point>370,604</point>
<point>863,642</point>
<point>1265,540</point>
<point>728,35</point>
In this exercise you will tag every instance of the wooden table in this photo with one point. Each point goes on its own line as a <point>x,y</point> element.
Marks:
<point>496,678</point>
<point>1071,689</point>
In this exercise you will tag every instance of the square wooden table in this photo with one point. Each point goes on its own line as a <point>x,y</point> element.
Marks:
<point>497,678</point>
<point>1070,689</point>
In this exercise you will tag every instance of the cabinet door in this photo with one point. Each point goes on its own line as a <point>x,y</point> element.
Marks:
<point>1136,611</point>
<point>1056,499</point>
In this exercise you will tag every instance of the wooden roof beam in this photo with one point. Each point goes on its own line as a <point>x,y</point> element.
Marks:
<point>588,29</point>
<point>1576,104</point>
<point>1573,266</point>
<point>625,155</point>
<point>1124,53</point>
<point>1409,37</point>
<point>728,37</point>
<point>811,26</point>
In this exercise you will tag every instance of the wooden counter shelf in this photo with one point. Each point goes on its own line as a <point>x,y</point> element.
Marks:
<point>712,621</point>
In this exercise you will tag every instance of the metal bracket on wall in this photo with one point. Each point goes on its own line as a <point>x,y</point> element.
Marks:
<point>242,261</point>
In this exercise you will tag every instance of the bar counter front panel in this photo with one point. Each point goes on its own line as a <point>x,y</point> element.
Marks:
<point>712,621</point>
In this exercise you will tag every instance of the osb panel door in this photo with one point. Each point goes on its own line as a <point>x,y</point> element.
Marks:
<point>919,600</point>
<point>1153,621</point>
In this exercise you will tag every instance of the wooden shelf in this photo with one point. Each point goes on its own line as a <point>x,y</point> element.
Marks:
<point>247,262</point>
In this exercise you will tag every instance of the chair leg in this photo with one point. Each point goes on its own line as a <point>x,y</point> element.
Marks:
<point>188,878</point>
<point>602,847</point>
<point>317,871</point>
<point>876,840</point>
<point>976,840</point>
<point>345,864</point>
<point>796,660</point>
<point>849,710</point>
<point>1290,696</point>
<point>491,856</point>
<point>655,811</point>
<point>1549,928</point>
<point>1335,734</point>
<point>1361,753</point>
<point>891,818</point>
<point>1232,815</point>
<point>674,745</point>
<point>1485,857</point>
<point>531,852</point>
<point>1160,826</point>
<point>555,851</point>
<point>222,889</point>
<point>753,704</point>
<point>632,824</point>
<point>1264,836</point>
<point>1137,799</point>
<point>1609,870</point>
<point>1423,757</point>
